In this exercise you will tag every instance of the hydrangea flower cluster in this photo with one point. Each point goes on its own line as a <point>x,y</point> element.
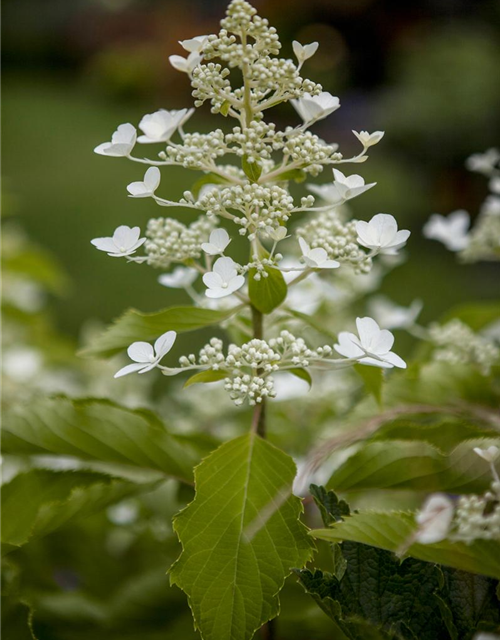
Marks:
<point>246,171</point>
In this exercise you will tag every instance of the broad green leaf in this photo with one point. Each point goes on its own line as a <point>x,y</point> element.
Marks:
<point>241,536</point>
<point>402,464</point>
<point>475,314</point>
<point>134,326</point>
<point>17,619</point>
<point>301,373</point>
<point>373,378</point>
<point>206,376</point>
<point>208,178</point>
<point>331,508</point>
<point>267,293</point>
<point>253,170</point>
<point>102,431</point>
<point>41,500</point>
<point>297,175</point>
<point>392,530</point>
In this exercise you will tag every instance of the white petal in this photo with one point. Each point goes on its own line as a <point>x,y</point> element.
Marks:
<point>368,330</point>
<point>236,283</point>
<point>139,190</point>
<point>395,360</point>
<point>104,244</point>
<point>164,343</point>
<point>130,368</point>
<point>365,234</point>
<point>304,247</point>
<point>346,345</point>
<point>212,280</point>
<point>226,268</point>
<point>140,352</point>
<point>152,178</point>
<point>383,342</point>
<point>220,238</point>
<point>125,236</point>
<point>210,248</point>
<point>179,63</point>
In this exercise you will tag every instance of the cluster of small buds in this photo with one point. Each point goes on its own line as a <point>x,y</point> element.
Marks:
<point>337,238</point>
<point>242,18</point>
<point>197,149</point>
<point>261,266</point>
<point>253,388</point>
<point>210,355</point>
<point>255,142</point>
<point>478,517</point>
<point>171,241</point>
<point>210,82</point>
<point>310,151</point>
<point>262,360</point>
<point>261,206</point>
<point>458,344</point>
<point>295,350</point>
<point>484,239</point>
<point>256,354</point>
<point>280,75</point>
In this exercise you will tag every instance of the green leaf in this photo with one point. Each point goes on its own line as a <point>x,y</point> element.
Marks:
<point>134,326</point>
<point>40,501</point>
<point>373,378</point>
<point>331,508</point>
<point>391,530</point>
<point>100,430</point>
<point>476,314</point>
<point>297,175</point>
<point>402,464</point>
<point>208,178</point>
<point>206,376</point>
<point>17,617</point>
<point>267,293</point>
<point>301,373</point>
<point>240,536</point>
<point>253,170</point>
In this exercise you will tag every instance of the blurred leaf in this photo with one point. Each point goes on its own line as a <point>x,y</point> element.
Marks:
<point>41,500</point>
<point>297,175</point>
<point>208,178</point>
<point>240,537</point>
<point>267,293</point>
<point>400,464</point>
<point>391,530</point>
<point>134,326</point>
<point>301,373</point>
<point>17,619</point>
<point>373,378</point>
<point>103,431</point>
<point>37,266</point>
<point>314,324</point>
<point>206,376</point>
<point>253,170</point>
<point>477,315</point>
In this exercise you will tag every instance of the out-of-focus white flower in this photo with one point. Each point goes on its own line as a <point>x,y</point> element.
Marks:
<point>223,280</point>
<point>313,108</point>
<point>122,142</point>
<point>147,187</point>
<point>180,278</point>
<point>327,192</point>
<point>288,386</point>
<point>125,242</point>
<point>369,139</point>
<point>276,234</point>
<point>490,454</point>
<point>372,347</point>
<point>434,519</point>
<point>186,65</point>
<point>194,45</point>
<point>123,513</point>
<point>483,162</point>
<point>494,184</point>
<point>304,51</point>
<point>22,363</point>
<point>219,239</point>
<point>316,258</point>
<point>486,636</point>
<point>381,234</point>
<point>306,296</point>
<point>450,230</point>
<point>491,206</point>
<point>146,357</point>
<point>392,316</point>
<point>161,125</point>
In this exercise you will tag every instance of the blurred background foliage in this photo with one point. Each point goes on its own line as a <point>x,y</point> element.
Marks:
<point>426,72</point>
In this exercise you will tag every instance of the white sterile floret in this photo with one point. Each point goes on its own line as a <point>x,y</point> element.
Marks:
<point>434,519</point>
<point>186,65</point>
<point>381,234</point>
<point>122,142</point>
<point>350,186</point>
<point>219,240</point>
<point>223,280</point>
<point>369,139</point>
<point>372,347</point>
<point>490,454</point>
<point>316,258</point>
<point>148,186</point>
<point>161,125</point>
<point>304,51</point>
<point>313,108</point>
<point>125,241</point>
<point>451,230</point>
<point>393,316</point>
<point>146,357</point>
<point>180,278</point>
<point>194,45</point>
<point>277,234</point>
<point>483,162</point>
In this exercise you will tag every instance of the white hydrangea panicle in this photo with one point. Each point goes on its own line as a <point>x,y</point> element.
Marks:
<point>304,51</point>
<point>147,357</point>
<point>218,242</point>
<point>434,519</point>
<point>372,346</point>
<point>452,230</point>
<point>369,139</point>
<point>124,242</point>
<point>316,258</point>
<point>147,187</point>
<point>313,108</point>
<point>169,240</point>
<point>180,278</point>
<point>381,234</point>
<point>392,316</point>
<point>161,125</point>
<point>224,279</point>
<point>122,142</point>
